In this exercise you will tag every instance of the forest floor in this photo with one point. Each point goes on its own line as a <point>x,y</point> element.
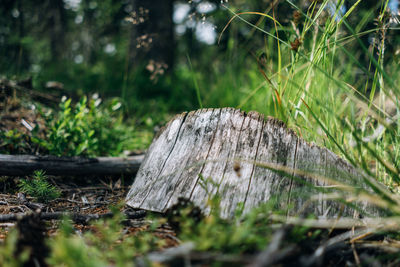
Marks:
<point>81,197</point>
<point>89,197</point>
<point>94,196</point>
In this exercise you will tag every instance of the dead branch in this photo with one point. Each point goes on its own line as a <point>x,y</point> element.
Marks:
<point>26,88</point>
<point>331,244</point>
<point>76,217</point>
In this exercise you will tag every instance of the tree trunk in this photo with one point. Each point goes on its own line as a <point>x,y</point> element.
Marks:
<point>57,24</point>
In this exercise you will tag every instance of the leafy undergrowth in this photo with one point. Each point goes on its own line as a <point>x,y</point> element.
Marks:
<point>262,237</point>
<point>183,237</point>
<point>86,128</point>
<point>310,75</point>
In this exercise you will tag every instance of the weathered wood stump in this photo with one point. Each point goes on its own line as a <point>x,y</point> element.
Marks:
<point>226,151</point>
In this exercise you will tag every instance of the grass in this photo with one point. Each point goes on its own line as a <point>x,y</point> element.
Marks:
<point>310,84</point>
<point>314,89</point>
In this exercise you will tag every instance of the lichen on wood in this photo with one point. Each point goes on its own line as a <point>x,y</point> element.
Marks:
<point>244,158</point>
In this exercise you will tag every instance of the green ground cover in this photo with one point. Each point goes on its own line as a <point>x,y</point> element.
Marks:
<point>312,70</point>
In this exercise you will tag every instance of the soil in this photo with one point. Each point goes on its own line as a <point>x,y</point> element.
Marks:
<point>93,196</point>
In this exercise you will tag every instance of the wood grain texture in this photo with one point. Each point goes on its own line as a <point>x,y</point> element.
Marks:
<point>245,159</point>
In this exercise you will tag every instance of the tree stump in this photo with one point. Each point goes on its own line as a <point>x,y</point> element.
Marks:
<point>243,158</point>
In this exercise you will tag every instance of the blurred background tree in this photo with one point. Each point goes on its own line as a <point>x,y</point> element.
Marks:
<point>140,49</point>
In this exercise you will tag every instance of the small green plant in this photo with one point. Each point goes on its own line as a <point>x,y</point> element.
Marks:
<point>89,129</point>
<point>70,134</point>
<point>13,141</point>
<point>39,188</point>
<point>8,257</point>
<point>213,233</point>
<point>108,244</point>
<point>242,234</point>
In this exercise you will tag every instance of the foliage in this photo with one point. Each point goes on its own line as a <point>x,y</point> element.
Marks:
<point>12,141</point>
<point>309,73</point>
<point>86,129</point>
<point>239,235</point>
<point>39,188</point>
<point>310,66</point>
<point>105,244</point>
<point>8,256</point>
<point>71,250</point>
<point>216,234</point>
<point>69,134</point>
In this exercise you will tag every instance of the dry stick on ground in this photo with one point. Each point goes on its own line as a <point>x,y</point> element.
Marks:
<point>333,243</point>
<point>18,165</point>
<point>76,217</point>
<point>47,98</point>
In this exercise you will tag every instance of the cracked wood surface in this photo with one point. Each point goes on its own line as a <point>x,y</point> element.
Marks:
<point>237,155</point>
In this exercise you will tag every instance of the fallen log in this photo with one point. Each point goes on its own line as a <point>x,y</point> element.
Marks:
<point>18,165</point>
<point>246,160</point>
<point>76,217</point>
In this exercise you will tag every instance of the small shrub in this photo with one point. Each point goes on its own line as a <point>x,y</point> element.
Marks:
<point>39,188</point>
<point>87,129</point>
<point>68,132</point>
